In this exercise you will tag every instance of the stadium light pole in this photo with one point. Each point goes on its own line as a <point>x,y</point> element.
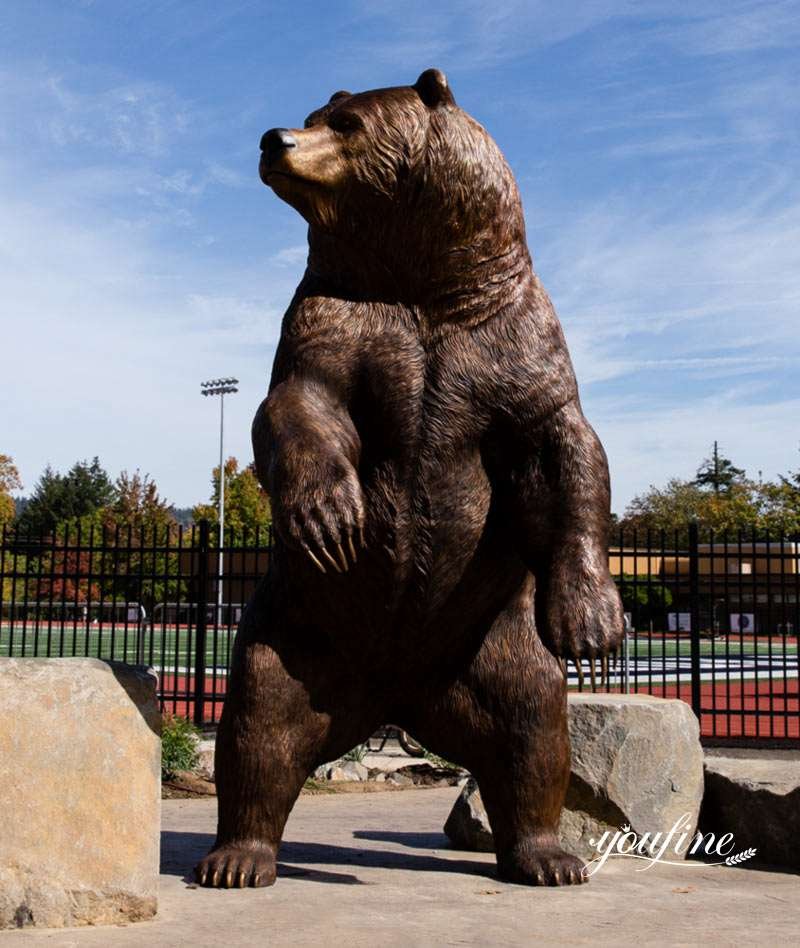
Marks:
<point>221,387</point>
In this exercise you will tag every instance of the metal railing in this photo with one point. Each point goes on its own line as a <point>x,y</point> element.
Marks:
<point>147,597</point>
<point>712,619</point>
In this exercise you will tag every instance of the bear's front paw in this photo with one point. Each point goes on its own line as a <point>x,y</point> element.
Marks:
<point>322,519</point>
<point>579,613</point>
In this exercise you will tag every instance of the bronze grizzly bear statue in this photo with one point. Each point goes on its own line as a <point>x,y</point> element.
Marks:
<point>441,503</point>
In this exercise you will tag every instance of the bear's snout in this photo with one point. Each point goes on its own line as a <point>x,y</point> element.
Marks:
<point>275,142</point>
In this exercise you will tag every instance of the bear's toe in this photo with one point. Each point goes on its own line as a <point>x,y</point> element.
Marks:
<point>236,867</point>
<point>545,866</point>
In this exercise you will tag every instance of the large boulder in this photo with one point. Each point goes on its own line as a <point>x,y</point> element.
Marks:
<point>756,797</point>
<point>80,770</point>
<point>636,762</point>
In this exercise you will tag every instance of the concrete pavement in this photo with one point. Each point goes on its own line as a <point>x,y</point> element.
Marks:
<point>374,869</point>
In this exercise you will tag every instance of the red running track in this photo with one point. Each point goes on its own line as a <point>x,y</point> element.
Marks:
<point>747,708</point>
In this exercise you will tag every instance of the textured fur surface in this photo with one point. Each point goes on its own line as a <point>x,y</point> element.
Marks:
<point>440,501</point>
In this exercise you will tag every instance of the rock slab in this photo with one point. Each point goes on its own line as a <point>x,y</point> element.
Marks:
<point>80,772</point>
<point>636,761</point>
<point>347,770</point>
<point>757,799</point>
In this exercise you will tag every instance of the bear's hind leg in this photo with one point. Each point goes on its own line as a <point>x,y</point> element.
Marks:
<point>276,726</point>
<point>505,719</point>
<point>523,771</point>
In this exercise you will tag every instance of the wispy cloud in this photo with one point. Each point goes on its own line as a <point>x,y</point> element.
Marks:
<point>230,177</point>
<point>291,256</point>
<point>671,144</point>
<point>137,118</point>
<point>482,33</point>
<point>640,268</point>
<point>109,335</point>
<point>683,327</point>
<point>736,27</point>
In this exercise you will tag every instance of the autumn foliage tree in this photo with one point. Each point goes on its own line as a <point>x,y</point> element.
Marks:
<point>246,503</point>
<point>137,504</point>
<point>9,480</point>
<point>68,579</point>
<point>127,524</point>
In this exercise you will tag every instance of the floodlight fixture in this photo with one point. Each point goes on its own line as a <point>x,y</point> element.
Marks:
<point>219,386</point>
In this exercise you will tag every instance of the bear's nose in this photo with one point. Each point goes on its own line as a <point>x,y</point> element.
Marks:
<point>275,141</point>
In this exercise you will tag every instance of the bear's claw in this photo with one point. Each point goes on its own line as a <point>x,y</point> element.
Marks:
<point>341,564</point>
<point>237,867</point>
<point>607,668</point>
<point>544,866</point>
<point>320,518</point>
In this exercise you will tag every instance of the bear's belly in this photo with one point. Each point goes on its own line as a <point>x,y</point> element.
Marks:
<point>428,521</point>
<point>439,568</point>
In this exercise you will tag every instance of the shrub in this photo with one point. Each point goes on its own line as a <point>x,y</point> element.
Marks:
<point>436,761</point>
<point>180,741</point>
<point>358,753</point>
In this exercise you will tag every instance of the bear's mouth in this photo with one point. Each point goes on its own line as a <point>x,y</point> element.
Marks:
<point>272,176</point>
<point>272,172</point>
<point>267,174</point>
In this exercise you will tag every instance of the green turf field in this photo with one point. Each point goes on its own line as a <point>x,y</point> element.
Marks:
<point>171,643</point>
<point>641,647</point>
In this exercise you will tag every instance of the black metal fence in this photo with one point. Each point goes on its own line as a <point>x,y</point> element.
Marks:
<point>712,619</point>
<point>138,596</point>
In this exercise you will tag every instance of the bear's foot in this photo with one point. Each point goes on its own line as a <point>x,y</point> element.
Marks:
<point>542,865</point>
<point>233,866</point>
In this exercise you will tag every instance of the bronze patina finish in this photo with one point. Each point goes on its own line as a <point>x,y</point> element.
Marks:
<point>441,503</point>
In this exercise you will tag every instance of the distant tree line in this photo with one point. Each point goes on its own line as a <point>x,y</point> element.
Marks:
<point>720,497</point>
<point>140,560</point>
<point>86,497</point>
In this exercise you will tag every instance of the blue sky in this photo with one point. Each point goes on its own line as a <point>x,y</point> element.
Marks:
<point>656,147</point>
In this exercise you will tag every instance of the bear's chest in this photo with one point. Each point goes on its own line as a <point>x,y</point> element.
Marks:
<point>416,404</point>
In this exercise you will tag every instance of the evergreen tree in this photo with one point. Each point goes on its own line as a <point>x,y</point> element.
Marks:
<point>61,498</point>
<point>718,472</point>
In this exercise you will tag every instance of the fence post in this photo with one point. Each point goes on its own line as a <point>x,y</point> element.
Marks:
<point>694,613</point>
<point>200,625</point>
<point>141,632</point>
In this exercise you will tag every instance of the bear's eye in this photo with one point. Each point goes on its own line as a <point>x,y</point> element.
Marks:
<point>345,122</point>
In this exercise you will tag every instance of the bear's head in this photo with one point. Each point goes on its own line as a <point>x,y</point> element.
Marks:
<point>407,197</point>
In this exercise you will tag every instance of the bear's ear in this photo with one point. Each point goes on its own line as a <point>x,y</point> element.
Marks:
<point>338,96</point>
<point>433,89</point>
